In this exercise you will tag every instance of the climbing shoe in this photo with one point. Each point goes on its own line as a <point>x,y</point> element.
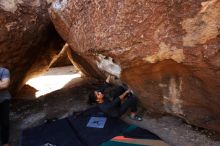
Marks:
<point>136,117</point>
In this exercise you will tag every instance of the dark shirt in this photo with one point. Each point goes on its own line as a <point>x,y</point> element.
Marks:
<point>111,108</point>
<point>103,87</point>
<point>111,104</point>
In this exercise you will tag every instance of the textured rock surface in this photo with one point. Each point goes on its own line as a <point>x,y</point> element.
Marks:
<point>167,51</point>
<point>28,41</point>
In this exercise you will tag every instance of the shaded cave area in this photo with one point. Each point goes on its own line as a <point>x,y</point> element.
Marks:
<point>29,110</point>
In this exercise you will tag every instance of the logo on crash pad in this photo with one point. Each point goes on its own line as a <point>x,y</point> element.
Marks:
<point>96,122</point>
<point>48,144</point>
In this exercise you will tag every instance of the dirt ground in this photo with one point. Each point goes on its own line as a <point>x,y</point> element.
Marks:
<point>73,97</point>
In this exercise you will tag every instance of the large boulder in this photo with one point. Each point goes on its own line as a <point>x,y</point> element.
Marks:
<point>167,51</point>
<point>28,40</point>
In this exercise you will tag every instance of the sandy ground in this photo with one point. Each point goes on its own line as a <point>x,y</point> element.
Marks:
<point>73,97</point>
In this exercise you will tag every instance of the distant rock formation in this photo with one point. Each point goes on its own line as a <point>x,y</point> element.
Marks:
<point>167,51</point>
<point>28,40</point>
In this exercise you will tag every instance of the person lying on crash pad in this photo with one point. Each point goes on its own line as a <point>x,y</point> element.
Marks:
<point>117,102</point>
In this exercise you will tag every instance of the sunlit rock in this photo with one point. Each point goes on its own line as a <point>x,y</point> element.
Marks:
<point>168,51</point>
